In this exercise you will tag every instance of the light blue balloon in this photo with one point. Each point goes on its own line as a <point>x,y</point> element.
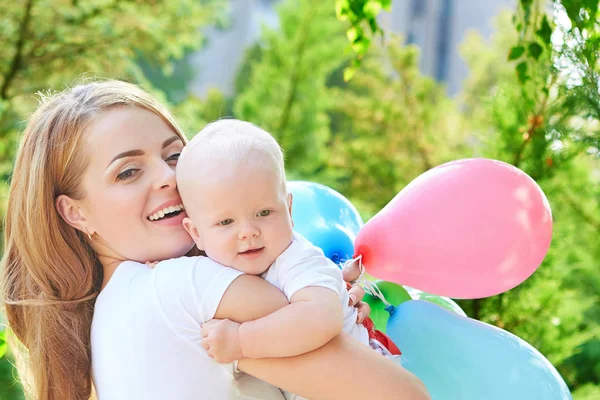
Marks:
<point>326,218</point>
<point>462,358</point>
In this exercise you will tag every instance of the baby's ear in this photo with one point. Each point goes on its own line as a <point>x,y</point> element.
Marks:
<point>192,230</point>
<point>289,201</point>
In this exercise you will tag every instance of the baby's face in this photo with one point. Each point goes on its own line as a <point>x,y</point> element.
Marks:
<point>242,215</point>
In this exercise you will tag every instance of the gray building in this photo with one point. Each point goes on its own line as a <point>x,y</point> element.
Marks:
<point>218,62</point>
<point>437,26</point>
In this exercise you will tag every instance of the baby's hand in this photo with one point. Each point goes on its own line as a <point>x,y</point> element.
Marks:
<point>221,340</point>
<point>351,272</point>
<point>151,264</point>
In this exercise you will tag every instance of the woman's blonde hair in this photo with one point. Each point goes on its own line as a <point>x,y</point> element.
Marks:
<point>50,275</point>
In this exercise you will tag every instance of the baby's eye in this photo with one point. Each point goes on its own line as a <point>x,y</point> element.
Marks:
<point>226,222</point>
<point>264,213</point>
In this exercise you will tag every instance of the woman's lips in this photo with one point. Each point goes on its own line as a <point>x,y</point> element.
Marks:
<point>170,221</point>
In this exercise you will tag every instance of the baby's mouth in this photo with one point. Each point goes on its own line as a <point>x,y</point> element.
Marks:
<point>252,251</point>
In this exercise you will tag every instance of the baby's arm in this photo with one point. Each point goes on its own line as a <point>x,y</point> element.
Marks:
<point>313,318</point>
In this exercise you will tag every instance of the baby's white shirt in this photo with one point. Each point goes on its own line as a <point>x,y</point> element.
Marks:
<point>303,265</point>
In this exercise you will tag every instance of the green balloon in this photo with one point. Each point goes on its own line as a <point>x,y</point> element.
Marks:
<point>378,314</point>
<point>394,294</point>
<point>443,301</point>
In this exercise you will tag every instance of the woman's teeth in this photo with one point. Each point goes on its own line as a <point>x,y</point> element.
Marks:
<point>166,211</point>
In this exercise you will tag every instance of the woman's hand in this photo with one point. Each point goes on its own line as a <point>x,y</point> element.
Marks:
<point>351,272</point>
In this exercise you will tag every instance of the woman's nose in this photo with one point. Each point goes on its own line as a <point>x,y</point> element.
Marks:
<point>165,176</point>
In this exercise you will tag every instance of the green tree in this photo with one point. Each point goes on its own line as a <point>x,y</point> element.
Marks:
<point>533,125</point>
<point>286,93</point>
<point>49,44</point>
<point>392,124</point>
<point>361,16</point>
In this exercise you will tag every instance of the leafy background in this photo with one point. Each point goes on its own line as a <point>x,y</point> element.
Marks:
<point>354,112</point>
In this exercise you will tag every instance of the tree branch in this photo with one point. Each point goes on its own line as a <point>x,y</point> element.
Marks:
<point>595,223</point>
<point>16,62</point>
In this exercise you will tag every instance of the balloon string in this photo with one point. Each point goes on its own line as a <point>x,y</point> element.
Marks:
<point>373,290</point>
<point>369,286</point>
<point>361,267</point>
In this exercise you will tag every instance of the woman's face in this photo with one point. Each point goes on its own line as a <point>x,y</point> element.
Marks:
<point>131,200</point>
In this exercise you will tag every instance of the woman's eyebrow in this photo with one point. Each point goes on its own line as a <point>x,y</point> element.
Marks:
<point>170,140</point>
<point>129,153</point>
<point>133,153</point>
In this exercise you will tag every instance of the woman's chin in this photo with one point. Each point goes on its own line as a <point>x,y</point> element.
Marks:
<point>172,247</point>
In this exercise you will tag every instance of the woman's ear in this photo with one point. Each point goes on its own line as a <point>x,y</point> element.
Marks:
<point>72,213</point>
<point>192,230</point>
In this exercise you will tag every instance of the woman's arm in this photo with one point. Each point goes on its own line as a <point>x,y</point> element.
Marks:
<point>342,369</point>
<point>315,310</point>
<point>329,372</point>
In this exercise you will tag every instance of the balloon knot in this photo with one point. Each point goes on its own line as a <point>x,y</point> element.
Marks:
<point>390,309</point>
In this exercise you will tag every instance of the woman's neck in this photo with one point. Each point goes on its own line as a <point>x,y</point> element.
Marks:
<point>109,266</point>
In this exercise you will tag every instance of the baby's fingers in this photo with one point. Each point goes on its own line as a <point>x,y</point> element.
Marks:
<point>351,271</point>
<point>356,294</point>
<point>364,310</point>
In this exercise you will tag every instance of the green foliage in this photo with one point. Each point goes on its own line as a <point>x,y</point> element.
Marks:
<point>392,125</point>
<point>362,17</point>
<point>193,113</point>
<point>538,109</point>
<point>47,44</point>
<point>572,46</point>
<point>285,92</point>
<point>534,126</point>
<point>2,342</point>
<point>535,32</point>
<point>10,389</point>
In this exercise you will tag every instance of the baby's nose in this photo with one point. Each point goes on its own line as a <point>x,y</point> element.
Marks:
<point>248,232</point>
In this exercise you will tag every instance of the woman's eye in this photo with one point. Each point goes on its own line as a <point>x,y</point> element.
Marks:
<point>264,213</point>
<point>173,157</point>
<point>226,222</point>
<point>127,174</point>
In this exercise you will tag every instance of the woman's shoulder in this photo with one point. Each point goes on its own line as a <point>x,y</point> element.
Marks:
<point>195,283</point>
<point>197,270</point>
<point>188,263</point>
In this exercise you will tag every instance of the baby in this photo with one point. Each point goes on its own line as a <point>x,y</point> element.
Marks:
<point>231,178</point>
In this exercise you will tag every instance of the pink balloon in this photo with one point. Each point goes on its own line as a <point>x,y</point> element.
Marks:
<point>467,229</point>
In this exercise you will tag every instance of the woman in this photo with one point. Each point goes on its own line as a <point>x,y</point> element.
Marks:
<point>92,198</point>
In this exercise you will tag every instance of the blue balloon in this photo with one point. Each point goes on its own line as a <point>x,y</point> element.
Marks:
<point>461,358</point>
<point>326,218</point>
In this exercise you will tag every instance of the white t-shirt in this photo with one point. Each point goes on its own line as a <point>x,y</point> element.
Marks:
<point>302,265</point>
<point>146,340</point>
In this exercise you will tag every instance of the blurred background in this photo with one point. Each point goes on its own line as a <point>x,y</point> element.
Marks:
<point>515,80</point>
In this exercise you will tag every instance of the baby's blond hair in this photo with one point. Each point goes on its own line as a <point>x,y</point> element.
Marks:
<point>231,140</point>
